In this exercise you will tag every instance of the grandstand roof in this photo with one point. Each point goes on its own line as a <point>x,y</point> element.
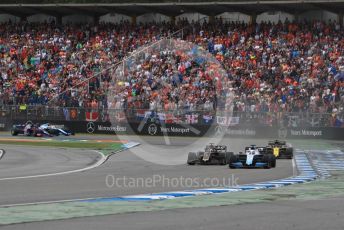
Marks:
<point>170,8</point>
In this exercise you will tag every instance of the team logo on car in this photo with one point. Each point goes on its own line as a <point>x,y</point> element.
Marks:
<point>91,127</point>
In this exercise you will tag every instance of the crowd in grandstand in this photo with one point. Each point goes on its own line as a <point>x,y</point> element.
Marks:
<point>175,75</point>
<point>288,67</point>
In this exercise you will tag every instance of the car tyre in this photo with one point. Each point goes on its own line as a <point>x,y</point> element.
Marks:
<point>273,161</point>
<point>228,157</point>
<point>267,160</point>
<point>290,153</point>
<point>13,133</point>
<point>192,158</point>
<point>233,159</point>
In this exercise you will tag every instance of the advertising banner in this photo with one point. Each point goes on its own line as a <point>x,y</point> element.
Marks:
<point>191,130</point>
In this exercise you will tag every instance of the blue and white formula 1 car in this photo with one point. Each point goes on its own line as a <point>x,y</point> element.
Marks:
<point>56,130</point>
<point>254,157</point>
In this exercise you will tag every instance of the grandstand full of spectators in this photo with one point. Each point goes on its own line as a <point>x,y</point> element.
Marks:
<point>283,67</point>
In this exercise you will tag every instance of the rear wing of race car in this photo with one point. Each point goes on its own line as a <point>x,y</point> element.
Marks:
<point>277,142</point>
<point>261,150</point>
<point>220,147</point>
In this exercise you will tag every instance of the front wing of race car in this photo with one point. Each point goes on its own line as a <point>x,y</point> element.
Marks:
<point>247,162</point>
<point>65,132</point>
<point>241,164</point>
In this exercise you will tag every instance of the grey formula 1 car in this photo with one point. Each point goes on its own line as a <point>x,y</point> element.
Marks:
<point>212,155</point>
<point>254,157</point>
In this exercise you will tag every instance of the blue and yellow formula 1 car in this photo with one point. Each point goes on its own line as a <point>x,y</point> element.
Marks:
<point>280,149</point>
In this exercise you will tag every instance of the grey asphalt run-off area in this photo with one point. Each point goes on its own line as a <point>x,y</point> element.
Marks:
<point>22,161</point>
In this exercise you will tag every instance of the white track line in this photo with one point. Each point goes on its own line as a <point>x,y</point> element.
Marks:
<point>98,163</point>
<point>48,202</point>
<point>295,170</point>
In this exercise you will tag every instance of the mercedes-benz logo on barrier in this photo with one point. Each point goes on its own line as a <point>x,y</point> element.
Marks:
<point>152,129</point>
<point>282,133</point>
<point>91,127</point>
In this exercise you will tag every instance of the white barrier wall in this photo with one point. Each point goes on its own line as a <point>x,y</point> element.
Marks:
<point>41,18</point>
<point>234,17</point>
<point>193,17</point>
<point>7,17</point>
<point>152,17</point>
<point>77,18</point>
<point>274,17</point>
<point>114,18</point>
<point>321,15</point>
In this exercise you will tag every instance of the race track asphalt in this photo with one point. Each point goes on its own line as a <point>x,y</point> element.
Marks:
<point>23,161</point>
<point>281,215</point>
